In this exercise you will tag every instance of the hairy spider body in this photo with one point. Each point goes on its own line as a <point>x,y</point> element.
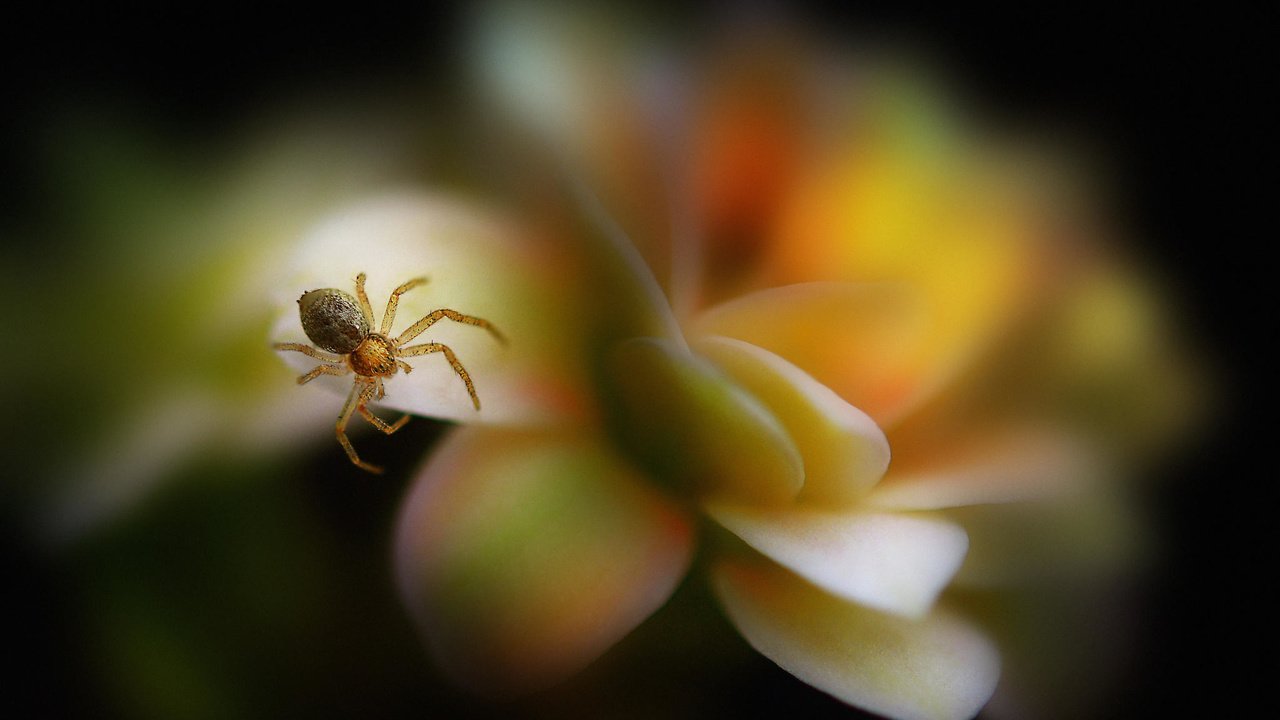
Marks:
<point>375,356</point>
<point>339,323</point>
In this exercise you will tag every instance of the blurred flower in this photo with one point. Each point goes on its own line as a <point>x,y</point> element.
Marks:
<point>165,264</point>
<point>779,268</point>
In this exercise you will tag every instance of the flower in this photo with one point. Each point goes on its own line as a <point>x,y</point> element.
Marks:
<point>830,272</point>
<point>170,266</point>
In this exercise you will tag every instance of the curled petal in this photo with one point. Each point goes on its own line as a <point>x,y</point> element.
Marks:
<point>891,562</point>
<point>935,668</point>
<point>476,264</point>
<point>524,556</point>
<point>870,343</point>
<point>844,452</point>
<point>690,423</point>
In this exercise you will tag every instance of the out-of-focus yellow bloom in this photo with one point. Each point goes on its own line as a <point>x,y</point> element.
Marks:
<point>792,269</point>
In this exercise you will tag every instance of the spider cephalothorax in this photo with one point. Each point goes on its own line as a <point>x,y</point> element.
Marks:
<point>339,323</point>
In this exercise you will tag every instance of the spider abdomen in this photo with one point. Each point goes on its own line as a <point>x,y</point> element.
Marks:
<point>333,320</point>
<point>374,357</point>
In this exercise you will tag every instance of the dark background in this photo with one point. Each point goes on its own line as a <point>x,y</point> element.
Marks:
<point>1172,97</point>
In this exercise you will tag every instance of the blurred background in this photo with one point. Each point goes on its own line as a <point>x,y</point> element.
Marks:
<point>236,576</point>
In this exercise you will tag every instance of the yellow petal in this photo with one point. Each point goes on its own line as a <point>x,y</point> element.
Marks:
<point>844,452</point>
<point>950,215</point>
<point>868,342</point>
<point>889,561</point>
<point>691,424</point>
<point>956,221</point>
<point>524,556</point>
<point>935,668</point>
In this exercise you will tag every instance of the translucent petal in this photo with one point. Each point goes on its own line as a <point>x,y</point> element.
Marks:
<point>844,452</point>
<point>870,343</point>
<point>892,562</point>
<point>1034,503</point>
<point>475,264</point>
<point>524,556</point>
<point>935,668</point>
<point>692,425</point>
<point>1084,536</point>
<point>985,466</point>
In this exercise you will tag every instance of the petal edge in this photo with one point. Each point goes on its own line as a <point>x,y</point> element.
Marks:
<point>938,668</point>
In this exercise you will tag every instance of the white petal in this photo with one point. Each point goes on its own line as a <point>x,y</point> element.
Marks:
<point>937,668</point>
<point>891,562</point>
<point>476,265</point>
<point>844,452</point>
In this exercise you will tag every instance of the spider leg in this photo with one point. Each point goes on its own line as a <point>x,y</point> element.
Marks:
<point>359,390</point>
<point>365,308</point>
<point>406,367</point>
<point>309,352</point>
<point>394,301</point>
<point>323,370</point>
<point>378,422</point>
<point>453,360</point>
<point>417,328</point>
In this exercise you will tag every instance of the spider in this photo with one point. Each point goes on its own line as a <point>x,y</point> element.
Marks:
<point>342,325</point>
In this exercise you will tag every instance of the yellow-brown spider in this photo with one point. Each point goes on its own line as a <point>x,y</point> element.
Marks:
<point>342,325</point>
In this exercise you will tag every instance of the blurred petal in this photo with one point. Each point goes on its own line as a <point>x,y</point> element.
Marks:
<point>907,197</point>
<point>689,422</point>
<point>1035,503</point>
<point>870,343</point>
<point>625,288</point>
<point>130,465</point>
<point>1083,536</point>
<point>571,78</point>
<point>844,452</point>
<point>935,668</point>
<point>891,562</point>
<point>992,465</point>
<point>756,115</point>
<point>1105,355</point>
<point>115,476</point>
<point>1091,359</point>
<point>475,264</point>
<point>524,556</point>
